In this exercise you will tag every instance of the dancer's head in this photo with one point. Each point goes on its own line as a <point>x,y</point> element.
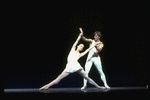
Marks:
<point>80,47</point>
<point>97,35</point>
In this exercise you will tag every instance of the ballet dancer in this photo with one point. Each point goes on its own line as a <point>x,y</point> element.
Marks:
<point>93,57</point>
<point>73,64</point>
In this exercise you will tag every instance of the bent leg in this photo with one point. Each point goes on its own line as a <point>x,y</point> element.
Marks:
<point>56,81</point>
<point>83,74</point>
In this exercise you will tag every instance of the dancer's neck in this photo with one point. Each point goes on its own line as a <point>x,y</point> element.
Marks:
<point>77,51</point>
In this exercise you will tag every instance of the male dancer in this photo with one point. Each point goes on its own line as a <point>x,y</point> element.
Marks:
<point>93,57</point>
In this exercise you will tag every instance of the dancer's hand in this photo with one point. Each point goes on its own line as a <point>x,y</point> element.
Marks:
<point>81,30</point>
<point>80,34</point>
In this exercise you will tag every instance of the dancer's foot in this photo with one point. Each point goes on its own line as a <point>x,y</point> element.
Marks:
<point>106,86</point>
<point>45,87</point>
<point>84,87</point>
<point>101,87</point>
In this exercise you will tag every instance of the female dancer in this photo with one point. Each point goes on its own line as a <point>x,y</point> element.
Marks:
<point>73,64</point>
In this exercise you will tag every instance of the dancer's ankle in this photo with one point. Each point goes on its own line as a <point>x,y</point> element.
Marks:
<point>84,87</point>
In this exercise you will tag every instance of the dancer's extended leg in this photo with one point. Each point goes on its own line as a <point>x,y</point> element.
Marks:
<point>97,63</point>
<point>56,81</point>
<point>83,74</point>
<point>88,66</point>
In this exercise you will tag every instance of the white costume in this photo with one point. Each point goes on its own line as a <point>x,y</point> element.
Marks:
<point>73,64</point>
<point>94,58</point>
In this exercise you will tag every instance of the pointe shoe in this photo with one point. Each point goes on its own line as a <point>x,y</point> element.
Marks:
<point>84,87</point>
<point>44,87</point>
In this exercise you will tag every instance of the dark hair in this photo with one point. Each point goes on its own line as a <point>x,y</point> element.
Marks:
<point>98,33</point>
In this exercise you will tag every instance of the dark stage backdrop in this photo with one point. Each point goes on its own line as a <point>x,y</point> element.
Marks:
<point>39,35</point>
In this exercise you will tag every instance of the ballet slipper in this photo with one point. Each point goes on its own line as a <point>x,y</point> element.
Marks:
<point>101,87</point>
<point>44,87</point>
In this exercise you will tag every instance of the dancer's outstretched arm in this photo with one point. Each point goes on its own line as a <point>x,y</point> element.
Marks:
<point>87,50</point>
<point>84,38</point>
<point>76,42</point>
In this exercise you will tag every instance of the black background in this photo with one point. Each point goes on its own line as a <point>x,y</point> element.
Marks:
<point>38,36</point>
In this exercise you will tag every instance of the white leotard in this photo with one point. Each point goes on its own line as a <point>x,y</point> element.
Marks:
<point>73,64</point>
<point>73,57</point>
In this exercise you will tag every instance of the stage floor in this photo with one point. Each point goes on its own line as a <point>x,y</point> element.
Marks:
<point>76,90</point>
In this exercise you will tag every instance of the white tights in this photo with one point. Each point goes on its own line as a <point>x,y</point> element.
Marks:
<point>97,63</point>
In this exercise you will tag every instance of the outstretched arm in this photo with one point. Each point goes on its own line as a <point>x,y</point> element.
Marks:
<point>84,38</point>
<point>87,50</point>
<point>76,42</point>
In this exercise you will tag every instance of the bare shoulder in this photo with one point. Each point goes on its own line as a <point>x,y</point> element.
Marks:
<point>101,45</point>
